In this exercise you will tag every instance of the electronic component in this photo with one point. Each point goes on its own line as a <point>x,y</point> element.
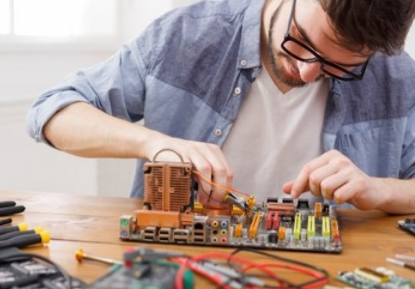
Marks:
<point>377,278</point>
<point>407,225</point>
<point>259,229</point>
<point>373,275</point>
<point>155,275</point>
<point>152,271</point>
<point>170,215</point>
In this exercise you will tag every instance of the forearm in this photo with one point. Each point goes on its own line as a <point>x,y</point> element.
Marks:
<point>396,196</point>
<point>83,130</point>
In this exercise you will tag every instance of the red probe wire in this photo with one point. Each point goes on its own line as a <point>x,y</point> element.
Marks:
<point>189,263</point>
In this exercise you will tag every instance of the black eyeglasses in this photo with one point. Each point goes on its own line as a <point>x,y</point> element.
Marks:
<point>302,52</point>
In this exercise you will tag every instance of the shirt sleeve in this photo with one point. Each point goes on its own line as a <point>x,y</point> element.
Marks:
<point>407,170</point>
<point>115,86</point>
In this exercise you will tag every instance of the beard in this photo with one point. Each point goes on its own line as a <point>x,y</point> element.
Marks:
<point>278,69</point>
<point>280,72</point>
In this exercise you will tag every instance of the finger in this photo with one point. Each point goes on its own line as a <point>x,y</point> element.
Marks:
<point>203,197</point>
<point>314,172</point>
<point>343,194</point>
<point>315,188</point>
<point>301,183</point>
<point>213,172</point>
<point>352,186</point>
<point>203,176</point>
<point>222,175</point>
<point>287,187</point>
<point>321,181</point>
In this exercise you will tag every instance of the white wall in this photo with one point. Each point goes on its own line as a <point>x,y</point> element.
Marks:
<point>27,71</point>
<point>410,42</point>
<point>24,74</point>
<point>24,164</point>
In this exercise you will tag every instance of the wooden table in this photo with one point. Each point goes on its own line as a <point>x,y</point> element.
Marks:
<point>92,223</point>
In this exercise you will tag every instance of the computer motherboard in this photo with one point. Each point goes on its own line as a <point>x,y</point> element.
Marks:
<point>171,216</point>
<point>303,229</point>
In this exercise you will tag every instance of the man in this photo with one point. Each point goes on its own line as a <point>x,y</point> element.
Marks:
<point>265,96</point>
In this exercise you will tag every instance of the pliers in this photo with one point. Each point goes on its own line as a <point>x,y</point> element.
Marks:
<point>242,203</point>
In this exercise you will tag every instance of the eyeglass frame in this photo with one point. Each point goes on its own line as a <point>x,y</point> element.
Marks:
<point>323,62</point>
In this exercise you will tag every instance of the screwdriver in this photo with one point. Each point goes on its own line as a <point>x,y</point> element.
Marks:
<point>10,208</point>
<point>18,233</point>
<point>5,221</point>
<point>81,255</point>
<point>7,204</point>
<point>20,227</point>
<point>26,240</point>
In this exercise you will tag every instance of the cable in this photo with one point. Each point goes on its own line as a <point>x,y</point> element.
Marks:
<point>320,276</point>
<point>319,273</point>
<point>60,270</point>
<point>228,189</point>
<point>217,185</point>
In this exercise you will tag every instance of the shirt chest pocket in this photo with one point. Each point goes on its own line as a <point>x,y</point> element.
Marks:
<point>374,150</point>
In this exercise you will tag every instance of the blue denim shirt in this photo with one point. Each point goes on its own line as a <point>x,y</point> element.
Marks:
<point>187,74</point>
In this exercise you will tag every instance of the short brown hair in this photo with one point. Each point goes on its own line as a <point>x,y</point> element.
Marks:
<point>379,25</point>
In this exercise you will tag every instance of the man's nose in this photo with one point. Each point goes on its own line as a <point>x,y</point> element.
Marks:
<point>309,72</point>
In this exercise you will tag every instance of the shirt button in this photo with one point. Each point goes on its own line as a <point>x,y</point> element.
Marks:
<point>243,62</point>
<point>238,90</point>
<point>218,132</point>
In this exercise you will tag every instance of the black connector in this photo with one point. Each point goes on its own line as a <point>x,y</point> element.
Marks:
<point>287,201</point>
<point>272,200</point>
<point>303,204</point>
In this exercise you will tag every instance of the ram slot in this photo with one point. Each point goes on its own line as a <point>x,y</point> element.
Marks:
<point>253,229</point>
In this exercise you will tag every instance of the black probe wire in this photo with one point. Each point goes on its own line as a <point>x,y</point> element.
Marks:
<point>245,275</point>
<point>280,280</point>
<point>276,257</point>
<point>242,275</point>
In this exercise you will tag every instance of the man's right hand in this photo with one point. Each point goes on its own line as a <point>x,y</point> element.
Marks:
<point>83,130</point>
<point>213,172</point>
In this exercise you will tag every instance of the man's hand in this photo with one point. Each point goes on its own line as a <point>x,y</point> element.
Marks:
<point>83,130</point>
<point>207,159</point>
<point>334,176</point>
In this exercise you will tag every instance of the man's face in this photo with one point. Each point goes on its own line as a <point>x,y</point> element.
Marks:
<point>310,25</point>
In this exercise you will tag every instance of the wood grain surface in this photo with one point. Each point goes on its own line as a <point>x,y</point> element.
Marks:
<point>91,223</point>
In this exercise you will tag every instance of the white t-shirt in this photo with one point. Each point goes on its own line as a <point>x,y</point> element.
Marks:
<point>274,135</point>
